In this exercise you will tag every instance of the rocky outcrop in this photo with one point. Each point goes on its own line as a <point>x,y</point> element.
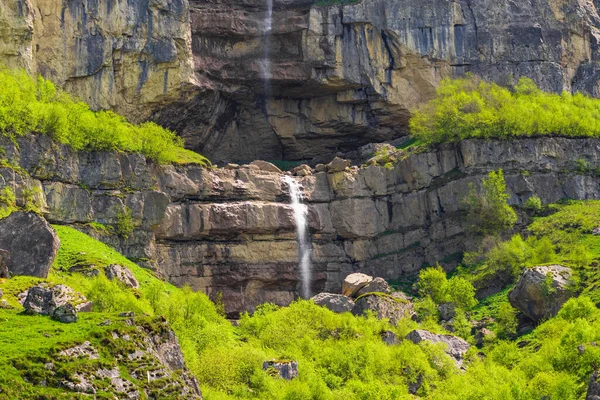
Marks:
<point>30,245</point>
<point>453,345</point>
<point>339,76</point>
<point>541,291</point>
<point>285,369</point>
<point>354,282</point>
<point>377,285</point>
<point>593,391</point>
<point>60,302</point>
<point>122,274</point>
<point>337,303</point>
<point>232,230</point>
<point>392,307</point>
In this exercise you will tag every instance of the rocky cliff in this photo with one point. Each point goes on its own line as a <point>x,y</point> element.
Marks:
<point>339,76</point>
<point>232,230</point>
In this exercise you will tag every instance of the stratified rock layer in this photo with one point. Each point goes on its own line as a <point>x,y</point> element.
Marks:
<point>323,79</point>
<point>232,230</point>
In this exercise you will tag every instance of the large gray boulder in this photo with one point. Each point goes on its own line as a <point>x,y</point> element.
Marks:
<point>354,282</point>
<point>541,291</point>
<point>335,302</point>
<point>454,346</point>
<point>59,302</point>
<point>393,307</point>
<point>31,243</point>
<point>377,285</point>
<point>123,274</point>
<point>593,392</point>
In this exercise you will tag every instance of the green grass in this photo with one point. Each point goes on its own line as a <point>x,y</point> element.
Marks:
<point>470,108</point>
<point>36,106</point>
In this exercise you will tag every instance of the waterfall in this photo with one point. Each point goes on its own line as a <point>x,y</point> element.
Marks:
<point>265,65</point>
<point>304,248</point>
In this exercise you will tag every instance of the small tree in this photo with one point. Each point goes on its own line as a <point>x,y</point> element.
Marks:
<point>507,320</point>
<point>488,209</point>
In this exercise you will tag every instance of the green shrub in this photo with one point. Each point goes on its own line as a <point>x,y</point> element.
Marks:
<point>125,225</point>
<point>434,284</point>
<point>36,106</point>
<point>8,202</point>
<point>470,108</point>
<point>533,204</point>
<point>488,212</point>
<point>506,321</point>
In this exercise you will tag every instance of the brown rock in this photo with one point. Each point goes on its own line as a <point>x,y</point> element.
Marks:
<point>384,307</point>
<point>338,165</point>
<point>354,282</point>
<point>377,285</point>
<point>266,166</point>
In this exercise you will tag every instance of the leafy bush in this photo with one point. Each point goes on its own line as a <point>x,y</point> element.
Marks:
<point>37,106</point>
<point>434,284</point>
<point>470,108</point>
<point>125,225</point>
<point>488,210</point>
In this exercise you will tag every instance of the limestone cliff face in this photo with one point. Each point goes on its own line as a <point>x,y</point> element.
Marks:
<point>233,231</point>
<point>339,76</point>
<point>130,56</point>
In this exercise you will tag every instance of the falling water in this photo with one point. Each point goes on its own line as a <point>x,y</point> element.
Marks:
<point>304,249</point>
<point>265,64</point>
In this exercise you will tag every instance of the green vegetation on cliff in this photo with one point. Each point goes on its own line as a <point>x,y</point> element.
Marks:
<point>470,108</point>
<point>30,105</point>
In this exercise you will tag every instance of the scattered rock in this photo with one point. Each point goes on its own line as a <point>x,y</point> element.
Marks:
<point>596,231</point>
<point>1,293</point>
<point>105,323</point>
<point>287,370</point>
<point>338,165</point>
<point>4,305</point>
<point>413,387</point>
<point>50,300</point>
<point>118,383</point>
<point>447,311</point>
<point>377,285</point>
<point>335,302</point>
<point>123,274</point>
<point>321,168</point>
<point>389,338</point>
<point>81,385</point>
<point>455,346</point>
<point>232,166</point>
<point>84,350</point>
<point>593,392</point>
<point>265,166</point>
<point>384,307</point>
<point>302,170</point>
<point>354,282</point>
<point>65,313</point>
<point>541,291</point>
<point>31,243</point>
<point>484,335</point>
<point>127,314</point>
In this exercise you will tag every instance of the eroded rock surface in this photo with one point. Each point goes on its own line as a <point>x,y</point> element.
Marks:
<point>393,307</point>
<point>335,302</point>
<point>541,291</point>
<point>453,345</point>
<point>122,274</point>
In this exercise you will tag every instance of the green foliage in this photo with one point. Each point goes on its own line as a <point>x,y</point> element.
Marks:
<point>125,224</point>
<point>36,106</point>
<point>487,208</point>
<point>533,204</point>
<point>8,202</point>
<point>506,320</point>
<point>470,108</point>
<point>434,284</point>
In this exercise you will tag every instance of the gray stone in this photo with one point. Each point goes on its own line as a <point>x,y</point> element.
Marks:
<point>31,242</point>
<point>593,391</point>
<point>321,168</point>
<point>537,299</point>
<point>384,307</point>
<point>447,311</point>
<point>454,346</point>
<point>377,285</point>
<point>354,282</point>
<point>4,261</point>
<point>4,305</point>
<point>302,170</point>
<point>59,301</point>
<point>65,313</point>
<point>389,338</point>
<point>338,165</point>
<point>335,302</point>
<point>287,370</point>
<point>123,274</point>
<point>84,350</point>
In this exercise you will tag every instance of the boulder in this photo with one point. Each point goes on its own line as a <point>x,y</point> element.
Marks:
<point>123,274</point>
<point>593,391</point>
<point>4,305</point>
<point>447,311</point>
<point>60,302</point>
<point>302,170</point>
<point>338,165</point>
<point>354,282</point>
<point>455,346</point>
<point>484,335</point>
<point>321,168</point>
<point>390,307</point>
<point>541,291</point>
<point>265,166</point>
<point>335,302</point>
<point>389,338</point>
<point>285,369</point>
<point>377,285</point>
<point>31,243</point>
